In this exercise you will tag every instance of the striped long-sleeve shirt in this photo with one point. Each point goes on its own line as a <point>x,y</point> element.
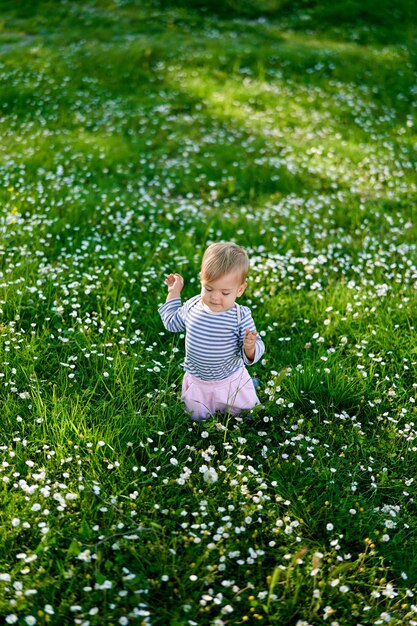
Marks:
<point>213,340</point>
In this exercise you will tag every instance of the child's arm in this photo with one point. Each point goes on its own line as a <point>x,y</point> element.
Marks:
<point>252,345</point>
<point>175,284</point>
<point>172,312</point>
<point>249,344</point>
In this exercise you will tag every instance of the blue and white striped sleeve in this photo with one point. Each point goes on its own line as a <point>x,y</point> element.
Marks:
<point>172,315</point>
<point>247,322</point>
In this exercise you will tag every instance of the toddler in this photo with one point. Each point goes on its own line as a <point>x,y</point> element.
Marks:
<point>220,335</point>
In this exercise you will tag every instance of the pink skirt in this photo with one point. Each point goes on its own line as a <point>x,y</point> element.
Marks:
<point>233,394</point>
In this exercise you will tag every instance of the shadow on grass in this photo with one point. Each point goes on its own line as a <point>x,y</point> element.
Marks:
<point>220,91</point>
<point>372,20</point>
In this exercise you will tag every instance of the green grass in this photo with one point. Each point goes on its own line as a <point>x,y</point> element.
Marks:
<point>134,134</point>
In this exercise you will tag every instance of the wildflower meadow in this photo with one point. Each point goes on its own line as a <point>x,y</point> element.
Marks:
<point>133,134</point>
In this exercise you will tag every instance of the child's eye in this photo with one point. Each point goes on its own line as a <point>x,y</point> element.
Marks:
<point>207,288</point>
<point>226,294</point>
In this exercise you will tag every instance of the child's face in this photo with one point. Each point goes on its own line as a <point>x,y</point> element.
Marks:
<point>220,294</point>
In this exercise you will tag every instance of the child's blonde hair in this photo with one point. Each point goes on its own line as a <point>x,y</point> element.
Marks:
<point>221,258</point>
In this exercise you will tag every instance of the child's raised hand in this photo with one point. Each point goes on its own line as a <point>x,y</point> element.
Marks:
<point>249,342</point>
<point>175,283</point>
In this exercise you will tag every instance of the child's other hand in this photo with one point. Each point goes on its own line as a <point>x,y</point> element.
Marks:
<point>249,343</point>
<point>175,284</point>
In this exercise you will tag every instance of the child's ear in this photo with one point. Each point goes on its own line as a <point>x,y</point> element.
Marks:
<point>241,289</point>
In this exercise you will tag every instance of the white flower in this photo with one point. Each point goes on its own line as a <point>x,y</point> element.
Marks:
<point>389,591</point>
<point>11,619</point>
<point>210,475</point>
<point>327,612</point>
<point>106,585</point>
<point>329,527</point>
<point>5,578</point>
<point>15,524</point>
<point>85,556</point>
<point>30,620</point>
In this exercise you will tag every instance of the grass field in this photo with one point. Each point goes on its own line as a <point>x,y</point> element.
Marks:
<point>133,134</point>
